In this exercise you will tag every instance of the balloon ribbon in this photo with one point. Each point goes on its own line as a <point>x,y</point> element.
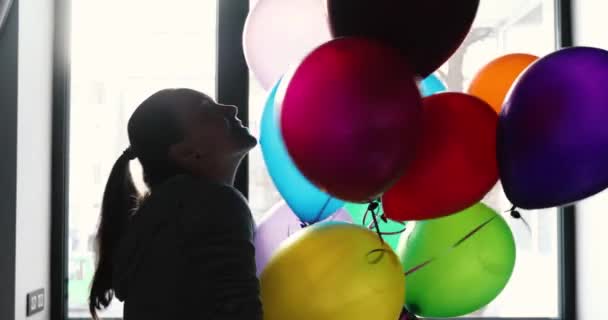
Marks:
<point>320,213</point>
<point>318,216</point>
<point>372,208</point>
<point>454,246</point>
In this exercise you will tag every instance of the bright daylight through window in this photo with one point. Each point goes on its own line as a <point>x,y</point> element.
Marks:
<point>120,57</point>
<point>121,53</point>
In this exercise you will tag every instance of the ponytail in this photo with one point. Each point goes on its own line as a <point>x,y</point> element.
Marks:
<point>119,200</point>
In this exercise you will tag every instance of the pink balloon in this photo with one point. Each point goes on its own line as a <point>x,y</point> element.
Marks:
<point>280,33</point>
<point>350,117</point>
<point>277,226</point>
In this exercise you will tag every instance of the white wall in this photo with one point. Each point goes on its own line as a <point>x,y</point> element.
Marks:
<point>592,276</point>
<point>34,153</point>
<point>590,25</point>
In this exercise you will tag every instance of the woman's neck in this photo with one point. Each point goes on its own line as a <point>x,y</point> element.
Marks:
<point>224,172</point>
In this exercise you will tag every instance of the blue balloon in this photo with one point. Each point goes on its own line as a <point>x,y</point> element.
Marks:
<point>431,85</point>
<point>308,202</point>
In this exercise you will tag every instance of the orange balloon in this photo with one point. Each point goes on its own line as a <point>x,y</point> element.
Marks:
<point>493,82</point>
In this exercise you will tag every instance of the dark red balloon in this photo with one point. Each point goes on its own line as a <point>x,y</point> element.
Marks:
<point>455,166</point>
<point>427,32</point>
<point>350,117</point>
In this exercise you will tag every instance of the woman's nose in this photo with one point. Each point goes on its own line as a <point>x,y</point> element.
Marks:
<point>231,111</point>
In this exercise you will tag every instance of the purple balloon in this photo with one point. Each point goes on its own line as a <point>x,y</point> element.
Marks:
<point>277,226</point>
<point>552,132</point>
<point>405,315</point>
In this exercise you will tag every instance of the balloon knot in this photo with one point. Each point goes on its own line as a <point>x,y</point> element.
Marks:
<point>373,206</point>
<point>514,212</point>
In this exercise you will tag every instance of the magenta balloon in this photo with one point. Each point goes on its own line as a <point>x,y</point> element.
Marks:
<point>552,132</point>
<point>350,117</point>
<point>277,226</point>
<point>280,33</point>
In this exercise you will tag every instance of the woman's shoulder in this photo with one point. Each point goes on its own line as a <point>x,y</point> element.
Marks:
<point>185,195</point>
<point>201,199</point>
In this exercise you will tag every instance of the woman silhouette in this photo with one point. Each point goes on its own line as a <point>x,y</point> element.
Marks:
<point>185,249</point>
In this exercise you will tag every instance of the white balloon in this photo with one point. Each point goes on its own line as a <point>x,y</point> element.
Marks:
<point>280,33</point>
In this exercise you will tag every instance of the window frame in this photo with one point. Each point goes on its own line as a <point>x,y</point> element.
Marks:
<point>566,216</point>
<point>233,88</point>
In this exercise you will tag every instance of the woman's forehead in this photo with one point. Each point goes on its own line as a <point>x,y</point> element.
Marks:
<point>207,100</point>
<point>204,107</point>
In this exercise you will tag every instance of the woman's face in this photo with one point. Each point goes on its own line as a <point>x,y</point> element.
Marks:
<point>215,131</point>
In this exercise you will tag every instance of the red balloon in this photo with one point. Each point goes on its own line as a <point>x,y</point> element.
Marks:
<point>350,117</point>
<point>455,166</point>
<point>427,32</point>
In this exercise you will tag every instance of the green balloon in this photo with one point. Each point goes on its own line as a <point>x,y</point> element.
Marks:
<point>357,212</point>
<point>469,259</point>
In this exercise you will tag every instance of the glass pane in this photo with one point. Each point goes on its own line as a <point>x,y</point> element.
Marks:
<point>123,51</point>
<point>501,27</point>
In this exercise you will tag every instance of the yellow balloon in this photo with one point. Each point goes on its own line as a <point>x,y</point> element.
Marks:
<point>333,271</point>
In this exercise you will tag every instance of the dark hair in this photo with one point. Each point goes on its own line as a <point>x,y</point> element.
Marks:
<point>153,128</point>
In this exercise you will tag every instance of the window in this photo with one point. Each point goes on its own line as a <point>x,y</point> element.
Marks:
<point>501,27</point>
<point>123,51</point>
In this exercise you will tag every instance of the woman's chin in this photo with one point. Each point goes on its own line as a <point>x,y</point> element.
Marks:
<point>248,141</point>
<point>253,141</point>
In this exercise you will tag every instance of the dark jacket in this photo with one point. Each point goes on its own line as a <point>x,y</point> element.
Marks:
<point>188,254</point>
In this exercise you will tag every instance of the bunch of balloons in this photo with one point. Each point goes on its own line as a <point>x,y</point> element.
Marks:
<point>356,116</point>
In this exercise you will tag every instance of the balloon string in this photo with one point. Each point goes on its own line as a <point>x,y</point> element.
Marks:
<point>365,218</point>
<point>517,215</point>
<point>377,227</point>
<point>474,231</point>
<point>372,225</point>
<point>382,251</point>
<point>454,246</point>
<point>418,267</point>
<point>320,213</point>
<point>373,209</point>
<point>390,233</point>
<point>393,233</point>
